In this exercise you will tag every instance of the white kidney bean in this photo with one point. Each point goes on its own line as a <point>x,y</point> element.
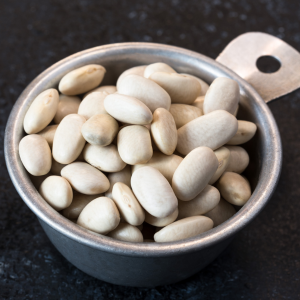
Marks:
<point>234,188</point>
<point>239,159</point>
<point>123,176</point>
<point>154,192</point>
<point>127,233</point>
<point>204,85</point>
<point>127,109</point>
<point>183,229</point>
<point>219,127</point>
<point>48,133</point>
<point>35,154</point>
<point>221,213</point>
<point>93,104</point>
<point>224,94</point>
<point>100,215</point>
<point>146,90</point>
<point>81,80</point>
<point>68,141</point>
<point>181,88</point>
<point>223,156</point>
<point>165,164</point>
<point>80,201</point>
<point>199,103</point>
<point>106,159</point>
<point>161,222</point>
<point>134,144</point>
<point>183,113</point>
<point>41,111</point>
<point>109,89</point>
<point>100,130</point>
<point>67,105</point>
<point>246,131</point>
<point>129,208</point>
<point>163,131</point>
<point>194,173</point>
<point>57,192</point>
<point>201,204</point>
<point>157,67</point>
<point>85,179</point>
<point>139,70</point>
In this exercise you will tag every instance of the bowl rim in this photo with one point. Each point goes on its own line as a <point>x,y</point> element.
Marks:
<point>268,177</point>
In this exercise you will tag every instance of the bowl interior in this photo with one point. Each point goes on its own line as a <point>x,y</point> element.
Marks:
<point>264,149</point>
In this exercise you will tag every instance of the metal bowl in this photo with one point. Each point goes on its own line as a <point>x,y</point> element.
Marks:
<point>147,264</point>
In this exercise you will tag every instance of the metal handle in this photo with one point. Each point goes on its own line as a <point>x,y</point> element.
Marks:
<point>241,55</point>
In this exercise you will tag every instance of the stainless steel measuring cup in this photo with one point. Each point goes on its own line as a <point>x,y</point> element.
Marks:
<point>152,264</point>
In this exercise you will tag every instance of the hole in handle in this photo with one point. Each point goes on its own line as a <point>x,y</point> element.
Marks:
<point>268,64</point>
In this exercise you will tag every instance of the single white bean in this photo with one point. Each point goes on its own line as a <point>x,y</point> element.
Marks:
<point>201,204</point>
<point>154,192</point>
<point>100,215</point>
<point>127,109</point>
<point>199,103</point>
<point>85,179</point>
<point>223,156</point>
<point>183,229</point>
<point>165,164</point>
<point>127,233</point>
<point>163,131</point>
<point>67,105</point>
<point>181,88</point>
<point>212,130</point>
<point>35,154</point>
<point>109,89</point>
<point>224,94</point>
<point>194,173</point>
<point>106,159</point>
<point>80,201</point>
<point>41,111</point>
<point>129,207</point>
<point>93,104</point>
<point>81,80</point>
<point>134,144</point>
<point>183,113</point>
<point>239,159</point>
<point>246,131</point>
<point>146,90</point>
<point>204,85</point>
<point>68,141</point>
<point>48,133</point>
<point>123,176</point>
<point>57,192</point>
<point>221,213</point>
<point>157,67</point>
<point>139,70</point>
<point>100,130</point>
<point>234,188</point>
<point>161,222</point>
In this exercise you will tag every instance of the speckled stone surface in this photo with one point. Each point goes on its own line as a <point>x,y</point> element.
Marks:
<point>263,262</point>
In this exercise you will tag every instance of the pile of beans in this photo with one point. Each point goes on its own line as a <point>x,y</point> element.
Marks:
<point>159,147</point>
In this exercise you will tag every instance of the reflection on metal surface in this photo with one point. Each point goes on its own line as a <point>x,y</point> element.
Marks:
<point>241,55</point>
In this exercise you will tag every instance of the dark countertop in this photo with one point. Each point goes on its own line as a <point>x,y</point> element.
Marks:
<point>263,262</point>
